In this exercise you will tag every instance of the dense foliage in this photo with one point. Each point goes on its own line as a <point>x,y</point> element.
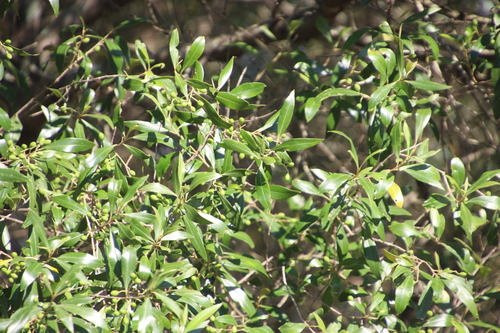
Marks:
<point>204,212</point>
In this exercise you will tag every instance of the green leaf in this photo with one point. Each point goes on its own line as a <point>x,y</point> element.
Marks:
<point>248,89</point>
<point>232,101</point>
<point>97,156</point>
<point>225,74</point>
<point>237,146</point>
<point>297,144</point>
<point>72,205</point>
<point>197,239</point>
<point>87,97</point>
<point>279,192</point>
<point>172,46</point>
<point>203,178</point>
<point>213,115</point>
<point>428,85</point>
<point>311,108</point>
<point>379,94</point>
<point>422,117</point>
<point>4,117</point>
<point>352,151</point>
<point>404,292</point>
<point>30,274</point>
<point>292,327</point>
<point>371,256</point>
<point>334,92</point>
<point>194,53</point>
<point>307,187</point>
<point>286,113</point>
<point>128,263</point>
<point>145,126</point>
<point>237,294</point>
<point>458,171</point>
<point>425,302</point>
<point>486,201</point>
<point>379,63</point>
<point>55,6</point>
<point>70,145</point>
<point>21,317</point>
<point>463,291</point>
<point>262,189</point>
<point>65,317</point>
<point>421,14</point>
<point>200,320</point>
<point>133,190</point>
<point>144,318</point>
<point>82,259</point>
<point>115,56</point>
<point>485,325</point>
<point>406,229</point>
<point>354,37</point>
<point>86,313</point>
<point>12,176</point>
<point>482,181</point>
<point>438,222</point>
<point>157,188</point>
<point>178,174</point>
<point>425,173</point>
<point>442,320</point>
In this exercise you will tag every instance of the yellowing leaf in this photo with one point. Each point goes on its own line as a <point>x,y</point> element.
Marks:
<point>396,195</point>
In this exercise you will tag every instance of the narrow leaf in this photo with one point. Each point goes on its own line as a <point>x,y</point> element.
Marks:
<point>194,53</point>
<point>297,144</point>
<point>428,85</point>
<point>70,145</point>
<point>286,113</point>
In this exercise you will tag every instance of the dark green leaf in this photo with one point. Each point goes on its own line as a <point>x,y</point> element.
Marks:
<point>372,257</point>
<point>262,189</point>
<point>213,115</point>
<point>404,292</point>
<point>354,37</point>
